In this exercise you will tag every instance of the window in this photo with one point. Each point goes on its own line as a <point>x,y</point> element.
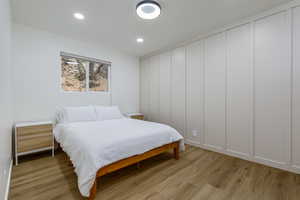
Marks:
<point>81,74</point>
<point>98,77</point>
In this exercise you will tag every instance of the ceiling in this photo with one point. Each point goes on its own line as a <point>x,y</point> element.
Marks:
<point>114,22</point>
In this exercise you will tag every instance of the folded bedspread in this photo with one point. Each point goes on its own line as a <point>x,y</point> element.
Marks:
<point>93,145</point>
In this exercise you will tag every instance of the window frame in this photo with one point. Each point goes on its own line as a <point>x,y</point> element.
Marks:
<point>87,79</point>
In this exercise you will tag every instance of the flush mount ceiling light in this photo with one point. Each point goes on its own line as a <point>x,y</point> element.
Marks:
<point>78,16</point>
<point>139,40</point>
<point>148,9</point>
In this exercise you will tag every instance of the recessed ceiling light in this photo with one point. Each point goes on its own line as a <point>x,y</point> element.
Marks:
<point>148,9</point>
<point>78,16</point>
<point>139,40</point>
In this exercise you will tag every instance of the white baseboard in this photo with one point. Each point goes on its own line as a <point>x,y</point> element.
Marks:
<point>255,159</point>
<point>8,181</point>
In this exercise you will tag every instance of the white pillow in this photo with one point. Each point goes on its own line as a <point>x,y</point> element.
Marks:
<point>79,114</point>
<point>108,113</point>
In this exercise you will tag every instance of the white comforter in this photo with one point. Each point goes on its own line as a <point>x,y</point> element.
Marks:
<point>93,145</point>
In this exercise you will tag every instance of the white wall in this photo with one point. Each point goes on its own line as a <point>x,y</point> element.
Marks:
<point>236,90</point>
<point>215,91</point>
<point>178,86</point>
<point>272,84</point>
<point>36,75</point>
<point>239,90</point>
<point>5,97</point>
<point>295,157</point>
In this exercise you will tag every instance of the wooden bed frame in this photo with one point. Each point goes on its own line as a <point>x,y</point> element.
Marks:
<point>133,160</point>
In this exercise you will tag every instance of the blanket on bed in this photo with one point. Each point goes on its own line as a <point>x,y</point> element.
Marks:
<point>95,144</point>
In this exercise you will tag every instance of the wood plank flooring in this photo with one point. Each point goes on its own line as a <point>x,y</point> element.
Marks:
<point>198,175</point>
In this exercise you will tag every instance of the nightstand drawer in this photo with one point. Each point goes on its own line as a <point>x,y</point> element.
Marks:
<point>31,130</point>
<point>33,137</point>
<point>35,141</point>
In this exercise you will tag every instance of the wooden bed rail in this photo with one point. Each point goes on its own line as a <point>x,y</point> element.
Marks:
<point>132,160</point>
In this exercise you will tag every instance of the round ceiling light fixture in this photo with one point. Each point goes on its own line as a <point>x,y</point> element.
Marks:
<point>139,40</point>
<point>79,16</point>
<point>148,9</point>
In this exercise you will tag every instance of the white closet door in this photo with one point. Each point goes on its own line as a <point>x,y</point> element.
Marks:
<point>144,89</point>
<point>154,89</point>
<point>239,90</point>
<point>296,99</point>
<point>178,90</point>
<point>165,88</point>
<point>195,95</point>
<point>215,91</point>
<point>272,88</point>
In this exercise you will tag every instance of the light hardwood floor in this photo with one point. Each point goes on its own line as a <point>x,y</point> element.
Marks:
<point>198,175</point>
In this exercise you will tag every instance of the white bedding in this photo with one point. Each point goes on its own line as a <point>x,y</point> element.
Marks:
<point>93,145</point>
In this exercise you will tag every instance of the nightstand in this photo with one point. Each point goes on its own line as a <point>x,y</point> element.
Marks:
<point>32,137</point>
<point>136,116</point>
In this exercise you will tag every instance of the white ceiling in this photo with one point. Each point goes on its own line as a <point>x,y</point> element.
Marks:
<point>114,22</point>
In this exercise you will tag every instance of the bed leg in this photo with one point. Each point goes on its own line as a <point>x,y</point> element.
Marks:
<point>93,191</point>
<point>68,161</point>
<point>176,151</point>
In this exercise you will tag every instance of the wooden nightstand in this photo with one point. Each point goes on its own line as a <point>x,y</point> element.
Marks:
<point>32,137</point>
<point>136,116</point>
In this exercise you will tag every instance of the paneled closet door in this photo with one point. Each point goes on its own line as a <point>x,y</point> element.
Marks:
<point>178,90</point>
<point>144,89</point>
<point>195,92</point>
<point>215,91</point>
<point>165,88</point>
<point>272,88</point>
<point>154,89</point>
<point>296,92</point>
<point>239,90</point>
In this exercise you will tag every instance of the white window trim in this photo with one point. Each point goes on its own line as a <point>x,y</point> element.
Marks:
<point>64,54</point>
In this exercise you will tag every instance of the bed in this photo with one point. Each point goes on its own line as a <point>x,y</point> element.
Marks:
<point>100,140</point>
